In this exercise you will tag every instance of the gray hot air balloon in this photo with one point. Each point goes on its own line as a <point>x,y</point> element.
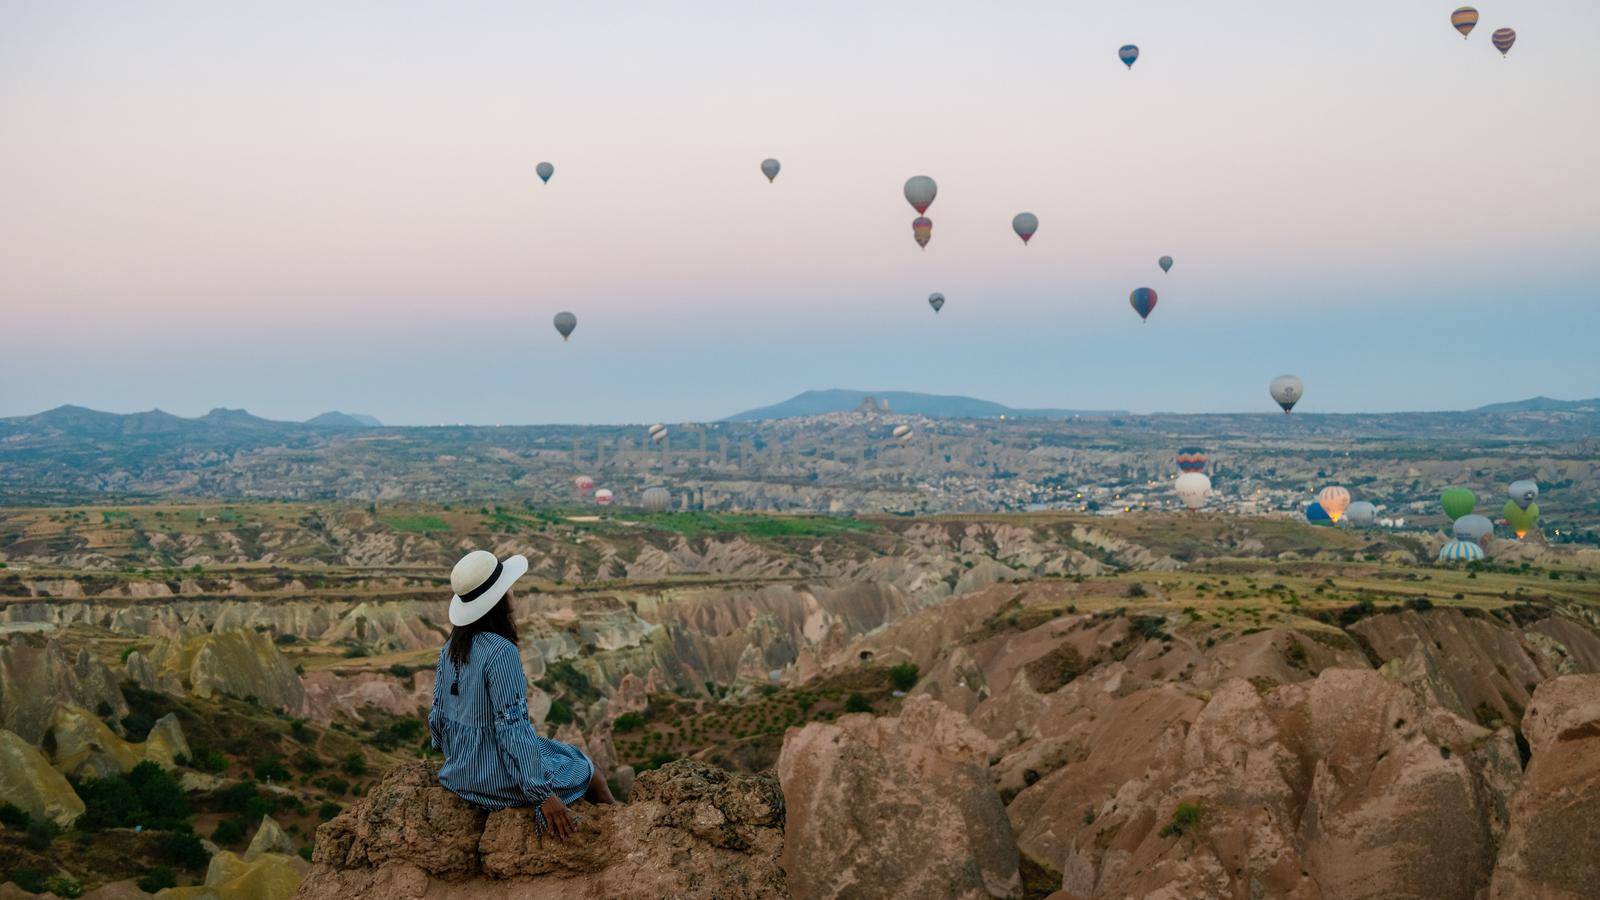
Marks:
<point>565,323</point>
<point>1472,528</point>
<point>1523,492</point>
<point>1165,263</point>
<point>1360,514</point>
<point>1025,224</point>
<point>545,170</point>
<point>920,191</point>
<point>657,499</point>
<point>936,300</point>
<point>1286,390</point>
<point>769,168</point>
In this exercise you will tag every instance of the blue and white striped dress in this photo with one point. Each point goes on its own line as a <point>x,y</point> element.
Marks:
<point>492,756</point>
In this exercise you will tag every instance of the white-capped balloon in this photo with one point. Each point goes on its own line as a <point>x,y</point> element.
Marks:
<point>1193,488</point>
<point>1523,492</point>
<point>1286,391</point>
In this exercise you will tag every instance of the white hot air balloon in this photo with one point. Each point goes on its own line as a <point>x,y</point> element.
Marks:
<point>769,168</point>
<point>657,499</point>
<point>1192,488</point>
<point>583,483</point>
<point>1472,528</point>
<point>603,497</point>
<point>920,191</point>
<point>1523,492</point>
<point>901,433</point>
<point>659,436</point>
<point>1286,391</point>
<point>1361,514</point>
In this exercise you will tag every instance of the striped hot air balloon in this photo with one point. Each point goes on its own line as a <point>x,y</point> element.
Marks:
<point>1191,459</point>
<point>603,497</point>
<point>657,499</point>
<point>1335,500</point>
<point>1464,20</point>
<point>922,230</point>
<point>1503,38</point>
<point>901,433</point>
<point>1143,301</point>
<point>583,483</point>
<point>1460,551</point>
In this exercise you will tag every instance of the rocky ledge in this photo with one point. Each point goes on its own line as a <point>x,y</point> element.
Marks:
<point>689,830</point>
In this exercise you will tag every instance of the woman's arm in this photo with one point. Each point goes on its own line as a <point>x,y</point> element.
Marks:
<point>508,697</point>
<point>434,714</point>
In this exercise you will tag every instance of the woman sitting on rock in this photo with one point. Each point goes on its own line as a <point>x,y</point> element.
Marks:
<point>492,756</point>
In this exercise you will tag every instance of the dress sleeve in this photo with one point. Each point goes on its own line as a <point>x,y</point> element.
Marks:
<point>434,713</point>
<point>519,752</point>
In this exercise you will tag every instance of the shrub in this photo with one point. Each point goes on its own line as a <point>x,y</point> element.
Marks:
<point>1184,818</point>
<point>1422,604</point>
<point>62,886</point>
<point>211,761</point>
<point>29,880</point>
<point>560,713</point>
<point>628,721</point>
<point>401,671</point>
<point>157,878</point>
<point>354,765</point>
<point>228,832</point>
<point>13,817</point>
<point>857,703</point>
<point>299,731</point>
<point>269,767</point>
<point>183,849</point>
<point>903,677</point>
<point>41,834</point>
<point>1137,590</point>
<point>328,810</point>
<point>147,795</point>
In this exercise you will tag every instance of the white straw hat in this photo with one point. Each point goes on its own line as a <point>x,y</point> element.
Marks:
<point>479,581</point>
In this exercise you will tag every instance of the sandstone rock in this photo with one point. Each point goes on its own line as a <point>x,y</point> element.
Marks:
<point>895,807</point>
<point>269,838</point>
<point>83,746</point>
<point>690,831</point>
<point>28,781</point>
<point>239,662</point>
<point>269,876</point>
<point>30,664</point>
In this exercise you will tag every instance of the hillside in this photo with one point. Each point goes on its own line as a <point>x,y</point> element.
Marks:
<point>937,406</point>
<point>1542,404</point>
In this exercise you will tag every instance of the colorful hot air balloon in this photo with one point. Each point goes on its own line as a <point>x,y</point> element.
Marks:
<point>1503,38</point>
<point>1143,301</point>
<point>936,300</point>
<point>1521,519</point>
<point>1286,391</point>
<point>1523,492</point>
<point>1334,500</point>
<point>922,230</point>
<point>583,483</point>
<point>1458,502</point>
<point>1191,459</point>
<point>920,191</point>
<point>657,499</point>
<point>1165,263</point>
<point>658,432</point>
<point>1129,53</point>
<point>603,497</point>
<point>1025,224</point>
<point>1460,551</point>
<point>901,433</point>
<point>1464,20</point>
<point>769,168</point>
<point>1192,488</point>
<point>1360,514</point>
<point>545,170</point>
<point>565,323</point>
<point>1316,515</point>
<point>1472,528</point>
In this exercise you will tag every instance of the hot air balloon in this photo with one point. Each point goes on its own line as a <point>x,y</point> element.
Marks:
<point>1025,224</point>
<point>1523,492</point>
<point>1129,53</point>
<point>769,168</point>
<point>922,230</point>
<point>1503,38</point>
<point>1460,551</point>
<point>901,433</point>
<point>545,170</point>
<point>1458,502</point>
<point>1472,528</point>
<point>658,432</point>
<point>1335,500</point>
<point>1521,519</point>
<point>1464,20</point>
<point>565,323</point>
<point>1143,300</point>
<point>1287,391</point>
<point>920,191</point>
<point>583,483</point>
<point>1316,515</point>
<point>603,497</point>
<point>1191,459</point>
<point>1192,488</point>
<point>1361,514</point>
<point>936,300</point>
<point>1165,263</point>
<point>657,499</point>
<point>655,428</point>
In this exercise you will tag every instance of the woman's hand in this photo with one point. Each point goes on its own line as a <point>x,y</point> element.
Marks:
<point>558,818</point>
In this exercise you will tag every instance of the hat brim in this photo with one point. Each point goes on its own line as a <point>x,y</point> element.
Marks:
<point>465,612</point>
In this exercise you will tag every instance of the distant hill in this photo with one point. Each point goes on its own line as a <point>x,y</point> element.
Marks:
<point>1542,404</point>
<point>816,403</point>
<point>344,420</point>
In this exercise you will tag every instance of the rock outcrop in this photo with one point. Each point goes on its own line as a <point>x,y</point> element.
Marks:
<point>689,831</point>
<point>895,807</point>
<point>239,662</point>
<point>29,662</point>
<point>28,781</point>
<point>82,746</point>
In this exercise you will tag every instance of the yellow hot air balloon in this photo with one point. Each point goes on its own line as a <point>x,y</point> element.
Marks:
<point>1335,500</point>
<point>1464,20</point>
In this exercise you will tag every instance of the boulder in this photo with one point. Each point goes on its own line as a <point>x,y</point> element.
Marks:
<point>895,807</point>
<point>269,838</point>
<point>269,876</point>
<point>83,746</point>
<point>28,782</point>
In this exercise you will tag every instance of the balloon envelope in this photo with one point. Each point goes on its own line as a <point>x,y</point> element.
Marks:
<point>1472,528</point>
<point>603,497</point>
<point>901,433</point>
<point>1286,391</point>
<point>1523,492</point>
<point>1334,500</point>
<point>583,483</point>
<point>1316,515</point>
<point>1460,551</point>
<point>1191,459</point>
<point>1361,513</point>
<point>769,168</point>
<point>1128,53</point>
<point>920,191</point>
<point>1521,519</point>
<point>1464,20</point>
<point>1143,301</point>
<point>1165,263</point>
<point>655,428</point>
<point>936,300</point>
<point>921,230</point>
<point>1192,488</point>
<point>565,323</point>
<point>1458,502</point>
<point>1025,224</point>
<point>1503,38</point>
<point>545,170</point>
<point>657,499</point>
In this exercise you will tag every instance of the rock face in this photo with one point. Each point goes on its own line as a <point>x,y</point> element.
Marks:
<point>238,662</point>
<point>27,662</point>
<point>689,831</point>
<point>28,781</point>
<point>82,745</point>
<point>1552,848</point>
<point>895,807</point>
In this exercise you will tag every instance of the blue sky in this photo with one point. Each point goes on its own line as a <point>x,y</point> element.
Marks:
<point>293,208</point>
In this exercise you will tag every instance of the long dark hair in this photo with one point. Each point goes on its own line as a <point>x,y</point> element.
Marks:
<point>496,621</point>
